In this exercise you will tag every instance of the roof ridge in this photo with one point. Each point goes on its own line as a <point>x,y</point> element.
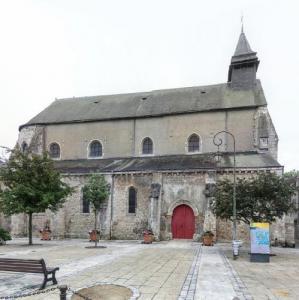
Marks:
<point>144,92</point>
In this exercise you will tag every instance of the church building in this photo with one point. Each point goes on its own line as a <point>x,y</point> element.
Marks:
<point>156,149</point>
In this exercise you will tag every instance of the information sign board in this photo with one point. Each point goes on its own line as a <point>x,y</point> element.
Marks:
<point>260,238</point>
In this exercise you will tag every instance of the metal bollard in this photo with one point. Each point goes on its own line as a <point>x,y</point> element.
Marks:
<point>63,289</point>
<point>236,246</point>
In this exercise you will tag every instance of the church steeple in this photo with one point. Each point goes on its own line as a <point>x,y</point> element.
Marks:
<point>244,64</point>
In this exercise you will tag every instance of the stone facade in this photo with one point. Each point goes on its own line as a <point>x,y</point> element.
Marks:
<point>169,177</point>
<point>116,223</point>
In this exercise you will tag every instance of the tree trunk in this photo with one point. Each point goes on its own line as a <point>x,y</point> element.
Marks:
<point>30,229</point>
<point>95,228</point>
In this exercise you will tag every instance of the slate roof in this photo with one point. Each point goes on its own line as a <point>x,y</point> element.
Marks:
<point>204,161</point>
<point>243,46</point>
<point>149,104</point>
<point>243,50</point>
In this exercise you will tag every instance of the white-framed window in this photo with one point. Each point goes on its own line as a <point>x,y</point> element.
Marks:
<point>95,149</point>
<point>54,150</point>
<point>193,143</point>
<point>147,146</point>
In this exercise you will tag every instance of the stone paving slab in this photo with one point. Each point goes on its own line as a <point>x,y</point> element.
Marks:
<point>275,280</point>
<point>166,270</point>
<point>215,279</point>
<point>157,271</point>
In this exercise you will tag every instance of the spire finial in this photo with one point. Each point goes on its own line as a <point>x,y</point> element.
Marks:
<point>242,23</point>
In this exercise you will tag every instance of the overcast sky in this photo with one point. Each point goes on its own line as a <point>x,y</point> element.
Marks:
<point>54,48</point>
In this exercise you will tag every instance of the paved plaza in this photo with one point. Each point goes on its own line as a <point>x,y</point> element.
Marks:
<point>176,269</point>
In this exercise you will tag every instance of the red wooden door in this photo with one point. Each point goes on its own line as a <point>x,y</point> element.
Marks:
<point>183,222</point>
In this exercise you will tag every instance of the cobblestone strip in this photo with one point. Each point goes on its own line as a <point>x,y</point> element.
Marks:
<point>238,285</point>
<point>189,286</point>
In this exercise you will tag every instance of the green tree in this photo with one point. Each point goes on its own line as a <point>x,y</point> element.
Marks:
<point>31,185</point>
<point>258,199</point>
<point>96,191</point>
<point>292,176</point>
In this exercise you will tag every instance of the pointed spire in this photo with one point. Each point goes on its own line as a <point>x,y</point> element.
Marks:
<point>242,23</point>
<point>243,46</point>
<point>244,64</point>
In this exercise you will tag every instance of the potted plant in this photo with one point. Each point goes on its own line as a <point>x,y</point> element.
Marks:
<point>4,236</point>
<point>46,232</point>
<point>94,235</point>
<point>208,238</point>
<point>148,236</point>
<point>96,191</point>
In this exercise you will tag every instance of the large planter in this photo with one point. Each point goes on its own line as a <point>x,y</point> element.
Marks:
<point>45,234</point>
<point>148,237</point>
<point>208,238</point>
<point>94,235</point>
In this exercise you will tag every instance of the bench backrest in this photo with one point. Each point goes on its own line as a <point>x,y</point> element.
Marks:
<point>22,265</point>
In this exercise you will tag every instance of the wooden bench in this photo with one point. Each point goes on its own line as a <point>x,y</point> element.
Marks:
<point>29,266</point>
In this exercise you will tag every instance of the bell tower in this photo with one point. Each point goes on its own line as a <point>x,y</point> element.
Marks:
<point>243,66</point>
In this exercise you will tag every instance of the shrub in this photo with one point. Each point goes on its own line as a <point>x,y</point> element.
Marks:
<point>4,235</point>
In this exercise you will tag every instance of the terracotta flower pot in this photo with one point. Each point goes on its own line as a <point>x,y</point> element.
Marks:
<point>45,235</point>
<point>148,238</point>
<point>207,240</point>
<point>94,235</point>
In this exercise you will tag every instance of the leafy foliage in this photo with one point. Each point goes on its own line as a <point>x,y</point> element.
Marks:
<point>291,174</point>
<point>31,185</point>
<point>292,177</point>
<point>96,191</point>
<point>259,199</point>
<point>4,235</point>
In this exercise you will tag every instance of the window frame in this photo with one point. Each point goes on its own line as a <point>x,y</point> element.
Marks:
<point>142,144</point>
<point>89,149</point>
<point>199,143</point>
<point>24,147</point>
<point>262,145</point>
<point>132,188</point>
<point>59,148</point>
<point>82,203</point>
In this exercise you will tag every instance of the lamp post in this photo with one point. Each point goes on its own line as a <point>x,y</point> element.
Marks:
<point>217,140</point>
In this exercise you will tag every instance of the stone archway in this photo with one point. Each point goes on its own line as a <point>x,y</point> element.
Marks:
<point>181,202</point>
<point>183,222</point>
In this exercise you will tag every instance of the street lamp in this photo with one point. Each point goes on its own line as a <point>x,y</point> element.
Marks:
<point>217,140</point>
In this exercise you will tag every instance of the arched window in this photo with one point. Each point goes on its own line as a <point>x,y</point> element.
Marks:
<point>54,150</point>
<point>24,147</point>
<point>263,132</point>
<point>85,204</point>
<point>193,143</point>
<point>147,146</point>
<point>132,200</point>
<point>95,149</point>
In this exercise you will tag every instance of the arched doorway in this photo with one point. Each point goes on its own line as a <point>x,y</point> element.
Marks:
<point>183,222</point>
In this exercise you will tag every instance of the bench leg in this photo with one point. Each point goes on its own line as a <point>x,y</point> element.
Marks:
<point>44,282</point>
<point>54,278</point>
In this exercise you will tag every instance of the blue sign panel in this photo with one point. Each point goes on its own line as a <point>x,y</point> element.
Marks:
<point>260,238</point>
